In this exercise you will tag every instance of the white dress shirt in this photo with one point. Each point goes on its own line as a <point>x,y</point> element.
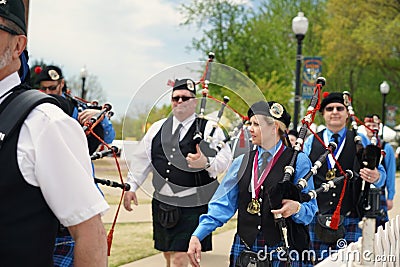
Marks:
<point>52,154</point>
<point>141,159</point>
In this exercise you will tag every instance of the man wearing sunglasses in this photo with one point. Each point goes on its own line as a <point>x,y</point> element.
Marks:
<point>336,116</point>
<point>181,174</point>
<point>51,81</point>
<point>45,170</point>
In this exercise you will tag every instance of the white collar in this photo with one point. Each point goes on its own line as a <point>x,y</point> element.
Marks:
<point>8,83</point>
<point>185,124</point>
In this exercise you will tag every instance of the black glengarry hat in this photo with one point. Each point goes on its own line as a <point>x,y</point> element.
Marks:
<point>271,109</point>
<point>334,97</point>
<point>185,84</point>
<point>50,73</point>
<point>14,10</point>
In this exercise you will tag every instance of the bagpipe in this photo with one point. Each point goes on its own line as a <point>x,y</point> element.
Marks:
<point>199,138</point>
<point>369,157</point>
<point>95,134</point>
<point>286,189</point>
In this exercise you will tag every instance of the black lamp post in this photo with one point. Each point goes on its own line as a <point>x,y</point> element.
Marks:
<point>299,26</point>
<point>384,88</point>
<point>84,74</point>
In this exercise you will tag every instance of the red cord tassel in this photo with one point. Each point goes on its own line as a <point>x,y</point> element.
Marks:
<point>109,241</point>
<point>336,215</point>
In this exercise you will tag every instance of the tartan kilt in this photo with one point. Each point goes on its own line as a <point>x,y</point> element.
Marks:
<point>260,245</point>
<point>381,220</point>
<point>322,250</point>
<point>177,238</point>
<point>63,255</point>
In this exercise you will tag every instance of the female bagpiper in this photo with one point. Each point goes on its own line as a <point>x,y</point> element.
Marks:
<point>248,187</point>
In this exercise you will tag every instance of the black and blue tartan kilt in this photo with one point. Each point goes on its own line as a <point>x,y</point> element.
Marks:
<point>381,220</point>
<point>63,255</point>
<point>177,238</point>
<point>260,245</point>
<point>323,250</point>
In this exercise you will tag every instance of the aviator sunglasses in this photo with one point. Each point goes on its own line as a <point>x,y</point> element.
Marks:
<point>50,88</point>
<point>340,108</point>
<point>184,98</point>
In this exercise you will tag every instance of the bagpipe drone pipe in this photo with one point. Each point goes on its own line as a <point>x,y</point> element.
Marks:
<point>286,189</point>
<point>199,137</point>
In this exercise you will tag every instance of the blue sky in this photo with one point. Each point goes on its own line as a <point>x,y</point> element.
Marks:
<point>122,42</point>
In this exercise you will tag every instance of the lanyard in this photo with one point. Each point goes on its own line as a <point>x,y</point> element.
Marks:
<point>256,184</point>
<point>337,152</point>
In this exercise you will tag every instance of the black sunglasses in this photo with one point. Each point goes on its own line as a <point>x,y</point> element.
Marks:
<point>184,98</point>
<point>7,29</point>
<point>340,108</point>
<point>50,88</point>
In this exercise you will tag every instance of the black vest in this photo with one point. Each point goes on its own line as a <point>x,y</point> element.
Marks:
<point>327,201</point>
<point>169,163</point>
<point>28,225</point>
<point>249,225</point>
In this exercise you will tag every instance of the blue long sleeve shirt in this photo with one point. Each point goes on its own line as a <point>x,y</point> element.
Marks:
<point>224,203</point>
<point>390,167</point>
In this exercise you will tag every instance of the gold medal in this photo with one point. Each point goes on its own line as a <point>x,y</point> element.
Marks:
<point>253,207</point>
<point>331,174</point>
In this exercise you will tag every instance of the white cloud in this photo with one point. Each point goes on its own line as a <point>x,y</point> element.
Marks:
<point>122,42</point>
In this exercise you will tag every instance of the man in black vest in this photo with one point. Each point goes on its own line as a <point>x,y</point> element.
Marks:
<point>45,170</point>
<point>249,187</point>
<point>335,115</point>
<point>184,176</point>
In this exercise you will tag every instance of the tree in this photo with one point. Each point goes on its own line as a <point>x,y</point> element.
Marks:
<point>360,45</point>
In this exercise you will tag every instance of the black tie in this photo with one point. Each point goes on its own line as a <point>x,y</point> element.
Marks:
<point>264,162</point>
<point>335,138</point>
<point>175,136</point>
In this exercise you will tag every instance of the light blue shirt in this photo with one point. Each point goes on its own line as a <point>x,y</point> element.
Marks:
<point>365,141</point>
<point>224,203</point>
<point>390,167</point>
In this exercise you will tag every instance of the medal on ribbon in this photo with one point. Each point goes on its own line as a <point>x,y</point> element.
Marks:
<point>254,206</point>
<point>331,174</point>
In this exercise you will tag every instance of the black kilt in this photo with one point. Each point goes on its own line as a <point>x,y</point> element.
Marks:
<point>177,238</point>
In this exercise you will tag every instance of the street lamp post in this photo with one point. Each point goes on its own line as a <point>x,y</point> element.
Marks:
<point>384,88</point>
<point>299,26</point>
<point>84,74</point>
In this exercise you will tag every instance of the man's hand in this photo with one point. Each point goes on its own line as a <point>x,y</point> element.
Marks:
<point>289,207</point>
<point>128,198</point>
<point>194,251</point>
<point>197,160</point>
<point>370,176</point>
<point>87,114</point>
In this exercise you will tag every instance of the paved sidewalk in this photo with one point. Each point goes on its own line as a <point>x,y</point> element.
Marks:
<point>219,256</point>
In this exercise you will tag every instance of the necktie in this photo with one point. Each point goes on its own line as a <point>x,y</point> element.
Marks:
<point>264,162</point>
<point>335,137</point>
<point>175,135</point>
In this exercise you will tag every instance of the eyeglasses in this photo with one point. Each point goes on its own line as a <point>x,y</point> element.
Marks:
<point>50,88</point>
<point>7,29</point>
<point>184,98</point>
<point>330,109</point>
